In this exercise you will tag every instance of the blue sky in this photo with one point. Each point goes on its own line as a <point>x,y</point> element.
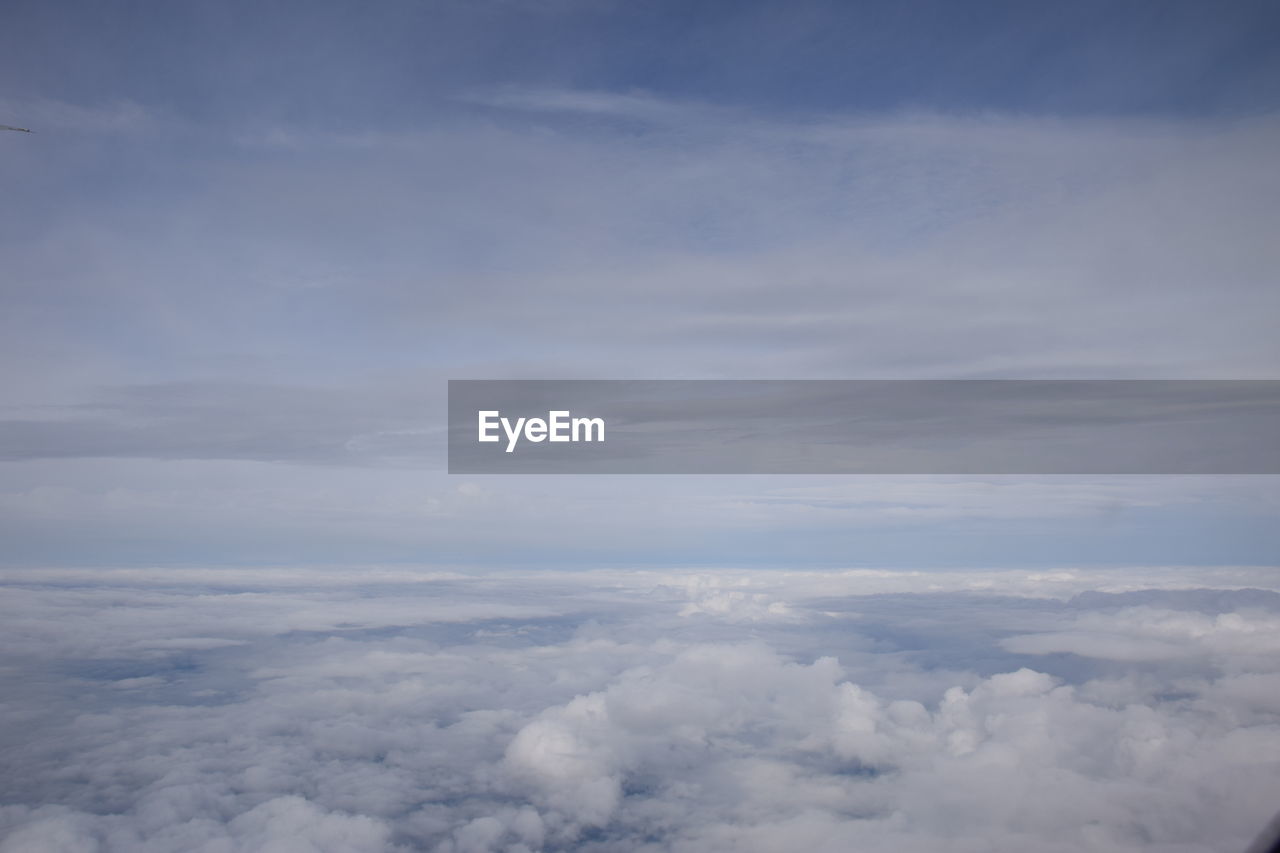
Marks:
<point>247,244</point>
<point>396,64</point>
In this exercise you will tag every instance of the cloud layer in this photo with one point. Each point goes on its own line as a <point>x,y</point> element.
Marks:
<point>241,358</point>
<point>298,710</point>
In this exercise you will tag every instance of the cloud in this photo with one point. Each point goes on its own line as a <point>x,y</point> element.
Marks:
<point>304,306</point>
<point>1154,634</point>
<point>910,245</point>
<point>637,106</point>
<point>397,710</point>
<point>283,824</point>
<point>233,420</point>
<point>186,363</point>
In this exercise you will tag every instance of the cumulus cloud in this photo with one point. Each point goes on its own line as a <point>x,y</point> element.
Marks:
<point>607,711</point>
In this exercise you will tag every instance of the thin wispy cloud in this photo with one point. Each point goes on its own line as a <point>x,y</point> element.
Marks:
<point>349,281</point>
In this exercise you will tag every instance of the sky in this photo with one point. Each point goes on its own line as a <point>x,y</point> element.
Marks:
<point>246,245</point>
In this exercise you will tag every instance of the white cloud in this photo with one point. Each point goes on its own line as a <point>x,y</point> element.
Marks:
<point>1239,639</point>
<point>597,711</point>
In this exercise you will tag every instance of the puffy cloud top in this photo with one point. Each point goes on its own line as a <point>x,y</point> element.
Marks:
<point>620,711</point>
